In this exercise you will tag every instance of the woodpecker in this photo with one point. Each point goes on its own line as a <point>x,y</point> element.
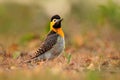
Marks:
<point>54,43</point>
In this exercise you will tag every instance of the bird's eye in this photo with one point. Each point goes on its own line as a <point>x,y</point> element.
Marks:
<point>54,20</point>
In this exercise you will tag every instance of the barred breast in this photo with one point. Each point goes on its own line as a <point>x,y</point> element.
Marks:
<point>55,51</point>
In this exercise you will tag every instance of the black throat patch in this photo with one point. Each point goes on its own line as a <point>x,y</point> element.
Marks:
<point>57,25</point>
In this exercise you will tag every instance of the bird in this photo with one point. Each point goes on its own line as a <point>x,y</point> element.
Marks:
<point>54,43</point>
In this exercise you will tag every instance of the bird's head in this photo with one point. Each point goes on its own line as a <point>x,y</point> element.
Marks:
<point>55,22</point>
<point>55,25</point>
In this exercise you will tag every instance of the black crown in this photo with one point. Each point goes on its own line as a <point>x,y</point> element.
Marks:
<point>55,17</point>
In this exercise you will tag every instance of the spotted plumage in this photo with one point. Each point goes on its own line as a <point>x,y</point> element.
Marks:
<point>54,43</point>
<point>49,42</point>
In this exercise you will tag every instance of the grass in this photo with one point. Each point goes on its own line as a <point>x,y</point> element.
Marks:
<point>91,53</point>
<point>95,59</point>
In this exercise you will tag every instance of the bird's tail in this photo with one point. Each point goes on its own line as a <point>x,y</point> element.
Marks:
<point>34,60</point>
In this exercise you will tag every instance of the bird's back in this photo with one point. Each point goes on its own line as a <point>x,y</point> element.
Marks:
<point>52,46</point>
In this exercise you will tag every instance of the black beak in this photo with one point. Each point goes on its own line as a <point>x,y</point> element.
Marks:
<point>61,19</point>
<point>58,21</point>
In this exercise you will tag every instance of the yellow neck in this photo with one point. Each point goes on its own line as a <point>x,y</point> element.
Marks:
<point>58,31</point>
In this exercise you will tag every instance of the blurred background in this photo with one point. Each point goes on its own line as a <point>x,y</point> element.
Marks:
<point>92,35</point>
<point>23,20</point>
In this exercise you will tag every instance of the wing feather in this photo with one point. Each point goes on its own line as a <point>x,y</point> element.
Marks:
<point>49,42</point>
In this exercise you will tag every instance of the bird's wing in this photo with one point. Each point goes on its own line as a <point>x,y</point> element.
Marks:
<point>49,42</point>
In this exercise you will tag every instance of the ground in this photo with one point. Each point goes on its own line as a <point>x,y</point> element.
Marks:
<point>87,57</point>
